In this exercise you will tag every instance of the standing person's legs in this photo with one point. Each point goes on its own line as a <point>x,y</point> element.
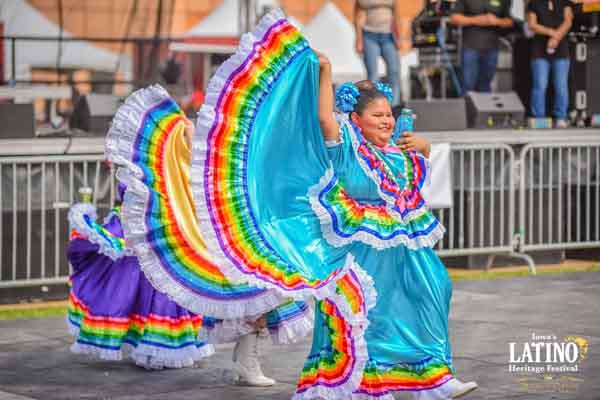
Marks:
<point>470,68</point>
<point>540,70</point>
<point>371,53</point>
<point>392,66</point>
<point>560,80</point>
<point>488,62</point>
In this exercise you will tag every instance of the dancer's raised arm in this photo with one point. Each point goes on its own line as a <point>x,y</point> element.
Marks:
<point>329,125</point>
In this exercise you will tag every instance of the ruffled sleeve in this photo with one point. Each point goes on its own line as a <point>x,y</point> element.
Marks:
<point>340,151</point>
<point>106,239</point>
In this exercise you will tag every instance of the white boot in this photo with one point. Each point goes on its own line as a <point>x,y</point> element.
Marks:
<point>459,389</point>
<point>245,362</point>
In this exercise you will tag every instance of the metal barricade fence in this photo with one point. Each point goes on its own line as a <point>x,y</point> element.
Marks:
<point>35,195</point>
<point>481,220</point>
<point>559,196</point>
<point>554,208</point>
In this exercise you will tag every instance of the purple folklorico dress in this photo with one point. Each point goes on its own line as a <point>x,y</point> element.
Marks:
<point>114,310</point>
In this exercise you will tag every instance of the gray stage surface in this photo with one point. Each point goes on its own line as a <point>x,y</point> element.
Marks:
<point>486,316</point>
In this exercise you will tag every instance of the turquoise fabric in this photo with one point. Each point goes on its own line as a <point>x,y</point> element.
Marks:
<point>410,320</point>
<point>285,163</point>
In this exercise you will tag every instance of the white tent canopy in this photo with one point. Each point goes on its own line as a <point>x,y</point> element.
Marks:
<point>21,19</point>
<point>224,21</point>
<point>331,33</point>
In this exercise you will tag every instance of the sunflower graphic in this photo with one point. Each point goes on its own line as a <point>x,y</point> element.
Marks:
<point>582,343</point>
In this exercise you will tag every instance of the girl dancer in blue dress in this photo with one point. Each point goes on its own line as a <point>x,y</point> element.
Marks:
<point>292,201</point>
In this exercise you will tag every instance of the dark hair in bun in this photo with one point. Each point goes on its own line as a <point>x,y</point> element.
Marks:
<point>368,94</point>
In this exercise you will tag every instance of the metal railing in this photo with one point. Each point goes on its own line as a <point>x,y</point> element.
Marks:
<point>35,195</point>
<point>545,197</point>
<point>559,196</point>
<point>481,220</point>
<point>482,181</point>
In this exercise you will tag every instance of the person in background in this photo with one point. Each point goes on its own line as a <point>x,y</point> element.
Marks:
<point>550,20</point>
<point>378,34</point>
<point>481,22</point>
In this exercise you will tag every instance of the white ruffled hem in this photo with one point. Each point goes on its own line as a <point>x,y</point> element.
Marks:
<point>287,332</point>
<point>359,325</point>
<point>144,355</point>
<point>147,356</point>
<point>77,222</point>
<point>343,391</point>
<point>433,237</point>
<point>206,118</point>
<point>334,239</point>
<point>227,331</point>
<point>150,357</point>
<point>364,396</point>
<point>442,392</point>
<point>294,330</point>
<point>120,145</point>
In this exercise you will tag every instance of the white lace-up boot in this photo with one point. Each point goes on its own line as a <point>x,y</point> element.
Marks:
<point>453,389</point>
<point>459,389</point>
<point>245,362</point>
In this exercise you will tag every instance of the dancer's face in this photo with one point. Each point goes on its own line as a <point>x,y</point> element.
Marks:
<point>376,121</point>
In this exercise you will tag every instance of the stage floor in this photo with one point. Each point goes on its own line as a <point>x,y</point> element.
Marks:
<point>485,317</point>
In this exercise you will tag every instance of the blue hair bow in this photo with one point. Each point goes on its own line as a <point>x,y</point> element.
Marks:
<point>385,89</point>
<point>346,96</point>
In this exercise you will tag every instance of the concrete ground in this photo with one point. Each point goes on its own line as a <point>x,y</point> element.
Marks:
<point>35,362</point>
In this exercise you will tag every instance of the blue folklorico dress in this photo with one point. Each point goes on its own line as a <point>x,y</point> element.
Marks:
<point>278,214</point>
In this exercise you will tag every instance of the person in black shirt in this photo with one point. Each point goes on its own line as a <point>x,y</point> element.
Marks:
<point>550,20</point>
<point>482,21</point>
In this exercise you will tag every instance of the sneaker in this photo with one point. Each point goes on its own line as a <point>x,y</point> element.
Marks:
<point>561,124</point>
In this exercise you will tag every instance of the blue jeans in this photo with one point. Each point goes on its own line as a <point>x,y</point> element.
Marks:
<point>382,44</point>
<point>540,69</point>
<point>478,69</point>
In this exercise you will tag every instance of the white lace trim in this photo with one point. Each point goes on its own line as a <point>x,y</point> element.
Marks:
<point>364,396</point>
<point>336,240</point>
<point>144,355</point>
<point>120,145</point>
<point>227,331</point>
<point>442,392</point>
<point>207,117</point>
<point>77,222</point>
<point>294,330</point>
<point>390,200</point>
<point>345,390</point>
<point>287,332</point>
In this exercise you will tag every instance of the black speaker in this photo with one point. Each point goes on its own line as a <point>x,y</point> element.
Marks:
<point>94,112</point>
<point>439,114</point>
<point>494,110</point>
<point>584,84</point>
<point>18,121</point>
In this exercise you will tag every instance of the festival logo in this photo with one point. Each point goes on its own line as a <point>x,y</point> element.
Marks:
<point>548,363</point>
